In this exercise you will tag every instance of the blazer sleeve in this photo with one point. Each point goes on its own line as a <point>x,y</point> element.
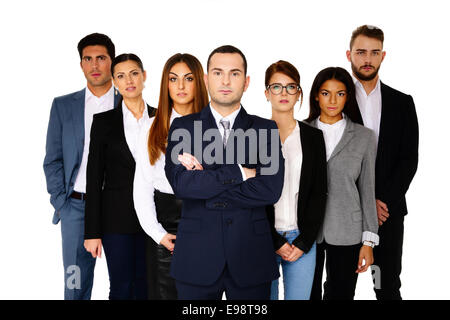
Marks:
<point>366,187</point>
<point>95,174</point>
<point>260,191</point>
<point>197,184</point>
<point>315,206</point>
<point>53,161</point>
<point>406,165</point>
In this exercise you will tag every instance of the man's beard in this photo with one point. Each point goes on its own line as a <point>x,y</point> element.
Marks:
<point>365,77</point>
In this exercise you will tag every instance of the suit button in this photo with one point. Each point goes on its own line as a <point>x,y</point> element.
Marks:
<point>71,184</point>
<point>229,221</point>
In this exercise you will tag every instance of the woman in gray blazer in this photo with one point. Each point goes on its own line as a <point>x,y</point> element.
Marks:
<point>350,226</point>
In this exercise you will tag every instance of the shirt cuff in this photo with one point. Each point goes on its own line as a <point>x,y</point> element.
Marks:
<point>244,177</point>
<point>370,236</point>
<point>158,234</point>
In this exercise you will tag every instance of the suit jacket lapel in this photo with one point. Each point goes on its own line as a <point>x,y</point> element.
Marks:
<point>305,171</point>
<point>78,121</point>
<point>242,120</point>
<point>346,138</point>
<point>128,156</point>
<point>384,116</point>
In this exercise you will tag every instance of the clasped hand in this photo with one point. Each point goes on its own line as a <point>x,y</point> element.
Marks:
<point>289,252</point>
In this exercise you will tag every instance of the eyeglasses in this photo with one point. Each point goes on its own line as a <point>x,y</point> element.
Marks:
<point>277,88</point>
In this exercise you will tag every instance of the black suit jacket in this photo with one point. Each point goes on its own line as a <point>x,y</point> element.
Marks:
<point>110,176</point>
<point>397,153</point>
<point>312,191</point>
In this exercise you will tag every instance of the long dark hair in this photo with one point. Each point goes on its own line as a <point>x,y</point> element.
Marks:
<point>351,109</point>
<point>157,139</point>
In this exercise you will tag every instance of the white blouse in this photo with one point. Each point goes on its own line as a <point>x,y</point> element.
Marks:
<point>133,127</point>
<point>286,207</point>
<point>332,134</point>
<point>147,178</point>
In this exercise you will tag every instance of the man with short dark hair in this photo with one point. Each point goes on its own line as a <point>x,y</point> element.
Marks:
<point>224,242</point>
<point>66,157</point>
<point>391,114</point>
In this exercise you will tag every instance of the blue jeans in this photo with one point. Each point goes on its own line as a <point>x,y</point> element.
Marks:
<point>298,276</point>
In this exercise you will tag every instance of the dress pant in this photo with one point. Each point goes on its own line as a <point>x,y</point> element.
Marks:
<point>125,257</point>
<point>388,259</point>
<point>161,286</point>
<point>225,284</point>
<point>78,263</point>
<point>341,264</point>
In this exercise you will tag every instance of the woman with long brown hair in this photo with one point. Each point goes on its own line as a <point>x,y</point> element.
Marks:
<point>182,92</point>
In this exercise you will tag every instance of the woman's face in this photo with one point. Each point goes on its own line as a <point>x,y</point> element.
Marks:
<point>129,79</point>
<point>331,97</point>
<point>283,101</point>
<point>181,84</point>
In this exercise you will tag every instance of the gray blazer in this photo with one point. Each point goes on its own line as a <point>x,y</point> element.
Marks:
<point>351,207</point>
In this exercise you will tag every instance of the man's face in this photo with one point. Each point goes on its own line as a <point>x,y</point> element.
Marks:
<point>366,56</point>
<point>226,80</point>
<point>96,65</point>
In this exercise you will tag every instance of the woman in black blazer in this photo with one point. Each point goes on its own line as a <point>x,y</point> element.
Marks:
<point>298,214</point>
<point>110,217</point>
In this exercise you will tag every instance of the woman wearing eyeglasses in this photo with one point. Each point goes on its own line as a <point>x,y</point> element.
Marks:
<point>298,214</point>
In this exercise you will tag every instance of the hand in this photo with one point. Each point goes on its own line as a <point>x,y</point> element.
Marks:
<point>189,162</point>
<point>249,173</point>
<point>382,212</point>
<point>285,251</point>
<point>365,253</point>
<point>167,242</point>
<point>295,254</point>
<point>94,247</point>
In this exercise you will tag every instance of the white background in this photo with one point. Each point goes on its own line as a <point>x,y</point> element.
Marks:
<point>39,60</point>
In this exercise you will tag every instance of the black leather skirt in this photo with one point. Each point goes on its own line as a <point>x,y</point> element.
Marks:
<point>161,286</point>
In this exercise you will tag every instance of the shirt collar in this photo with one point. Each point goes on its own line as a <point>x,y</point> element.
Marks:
<point>359,85</point>
<point>231,117</point>
<point>339,124</point>
<point>128,115</point>
<point>90,95</point>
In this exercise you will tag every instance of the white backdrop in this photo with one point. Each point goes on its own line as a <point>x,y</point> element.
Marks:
<point>39,60</point>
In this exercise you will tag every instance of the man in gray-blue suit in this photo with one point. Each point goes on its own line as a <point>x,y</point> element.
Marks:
<point>66,157</point>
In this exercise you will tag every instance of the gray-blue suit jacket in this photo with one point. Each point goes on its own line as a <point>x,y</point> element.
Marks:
<point>64,147</point>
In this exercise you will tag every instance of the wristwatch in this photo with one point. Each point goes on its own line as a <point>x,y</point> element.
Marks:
<point>369,243</point>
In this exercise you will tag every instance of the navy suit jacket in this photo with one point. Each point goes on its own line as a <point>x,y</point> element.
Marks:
<point>223,220</point>
<point>64,147</point>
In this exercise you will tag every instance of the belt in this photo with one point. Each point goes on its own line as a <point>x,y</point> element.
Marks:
<point>78,195</point>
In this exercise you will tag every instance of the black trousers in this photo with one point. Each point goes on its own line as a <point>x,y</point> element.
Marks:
<point>125,257</point>
<point>341,264</point>
<point>388,259</point>
<point>161,286</point>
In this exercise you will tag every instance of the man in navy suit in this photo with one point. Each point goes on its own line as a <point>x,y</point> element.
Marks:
<point>224,242</point>
<point>66,156</point>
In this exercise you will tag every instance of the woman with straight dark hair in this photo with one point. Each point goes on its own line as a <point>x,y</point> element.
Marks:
<point>182,92</point>
<point>298,214</point>
<point>350,226</point>
<point>110,217</point>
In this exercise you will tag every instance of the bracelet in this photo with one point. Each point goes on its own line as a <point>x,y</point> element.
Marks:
<point>369,243</point>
